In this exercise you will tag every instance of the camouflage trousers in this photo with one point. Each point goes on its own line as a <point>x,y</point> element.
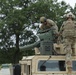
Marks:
<point>69,45</point>
<point>69,48</point>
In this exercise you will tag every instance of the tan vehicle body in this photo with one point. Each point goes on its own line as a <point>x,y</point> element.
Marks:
<point>29,65</point>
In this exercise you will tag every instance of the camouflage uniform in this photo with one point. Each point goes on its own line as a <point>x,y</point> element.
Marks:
<point>49,24</point>
<point>68,31</point>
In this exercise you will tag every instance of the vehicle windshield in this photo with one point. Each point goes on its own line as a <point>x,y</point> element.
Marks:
<point>51,65</point>
<point>54,65</point>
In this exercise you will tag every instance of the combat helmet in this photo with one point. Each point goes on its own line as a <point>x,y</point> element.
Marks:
<point>42,19</point>
<point>70,13</point>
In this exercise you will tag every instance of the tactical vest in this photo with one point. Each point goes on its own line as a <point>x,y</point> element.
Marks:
<point>69,29</point>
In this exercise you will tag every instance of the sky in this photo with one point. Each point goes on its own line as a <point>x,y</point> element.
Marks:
<point>71,2</point>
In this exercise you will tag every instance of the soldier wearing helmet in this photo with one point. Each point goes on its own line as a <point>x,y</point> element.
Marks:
<point>68,32</point>
<point>47,23</point>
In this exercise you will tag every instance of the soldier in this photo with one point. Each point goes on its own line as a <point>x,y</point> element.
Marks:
<point>50,24</point>
<point>68,31</point>
<point>47,23</point>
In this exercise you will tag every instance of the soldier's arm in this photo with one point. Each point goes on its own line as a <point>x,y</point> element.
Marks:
<point>54,27</point>
<point>62,28</point>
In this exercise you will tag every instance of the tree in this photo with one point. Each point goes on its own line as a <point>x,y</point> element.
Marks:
<point>18,18</point>
<point>13,24</point>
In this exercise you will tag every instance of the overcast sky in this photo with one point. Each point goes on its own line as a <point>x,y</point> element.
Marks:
<point>71,2</point>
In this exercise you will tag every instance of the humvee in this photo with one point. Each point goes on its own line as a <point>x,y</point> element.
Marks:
<point>46,65</point>
<point>49,58</point>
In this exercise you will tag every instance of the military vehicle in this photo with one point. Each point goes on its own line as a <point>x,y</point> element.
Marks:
<point>49,59</point>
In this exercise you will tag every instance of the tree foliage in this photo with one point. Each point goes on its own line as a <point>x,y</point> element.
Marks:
<point>18,19</point>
